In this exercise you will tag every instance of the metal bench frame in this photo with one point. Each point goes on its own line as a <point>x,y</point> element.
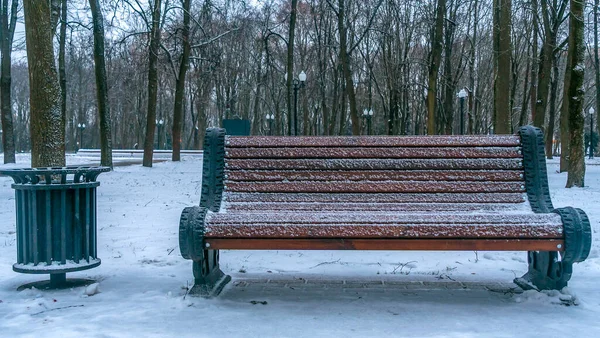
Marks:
<point>550,261</point>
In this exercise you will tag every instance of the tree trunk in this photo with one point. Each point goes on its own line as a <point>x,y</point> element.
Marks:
<point>535,60</point>
<point>472,83</point>
<point>552,119</point>
<point>47,126</point>
<point>525,98</point>
<point>545,69</point>
<point>62,78</point>
<point>180,82</point>
<point>345,61</point>
<point>576,174</point>
<point>437,45</point>
<point>152,85</point>
<point>101,86</point>
<point>502,66</point>
<point>290,66</point>
<point>7,32</point>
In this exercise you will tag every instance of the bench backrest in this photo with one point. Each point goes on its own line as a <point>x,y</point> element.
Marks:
<point>377,169</point>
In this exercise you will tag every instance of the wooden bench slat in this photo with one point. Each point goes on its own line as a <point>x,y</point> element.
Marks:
<point>381,218</point>
<point>367,207</point>
<point>376,187</point>
<point>376,198</point>
<point>373,164</point>
<point>416,231</point>
<point>346,152</point>
<point>374,141</point>
<point>374,175</point>
<point>387,244</point>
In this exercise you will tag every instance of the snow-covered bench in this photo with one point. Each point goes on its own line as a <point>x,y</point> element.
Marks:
<point>381,193</point>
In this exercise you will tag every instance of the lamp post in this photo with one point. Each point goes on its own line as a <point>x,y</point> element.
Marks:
<point>591,112</point>
<point>270,118</point>
<point>368,114</point>
<point>462,95</point>
<point>81,127</point>
<point>159,124</point>
<point>298,83</point>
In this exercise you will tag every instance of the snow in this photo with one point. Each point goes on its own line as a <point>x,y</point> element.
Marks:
<point>142,282</point>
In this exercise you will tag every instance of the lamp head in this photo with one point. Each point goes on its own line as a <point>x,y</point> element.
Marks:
<point>302,76</point>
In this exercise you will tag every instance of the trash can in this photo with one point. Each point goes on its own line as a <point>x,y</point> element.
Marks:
<point>56,222</point>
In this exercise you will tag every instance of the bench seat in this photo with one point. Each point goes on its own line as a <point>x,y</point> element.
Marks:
<point>381,224</point>
<point>381,193</point>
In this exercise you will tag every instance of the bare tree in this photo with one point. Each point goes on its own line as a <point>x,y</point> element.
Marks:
<point>180,81</point>
<point>576,51</point>
<point>7,33</point>
<point>435,56</point>
<point>152,84</point>
<point>502,55</point>
<point>101,85</point>
<point>47,125</point>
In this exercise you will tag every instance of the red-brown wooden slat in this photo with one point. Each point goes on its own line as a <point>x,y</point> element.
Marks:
<point>339,152</point>
<point>552,219</point>
<point>387,244</point>
<point>376,198</point>
<point>374,175</point>
<point>262,207</point>
<point>374,164</point>
<point>416,231</point>
<point>375,187</point>
<point>374,141</point>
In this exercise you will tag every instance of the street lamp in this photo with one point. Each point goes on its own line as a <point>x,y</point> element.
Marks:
<point>298,83</point>
<point>462,95</point>
<point>81,127</point>
<point>368,115</point>
<point>159,124</point>
<point>591,112</point>
<point>270,118</point>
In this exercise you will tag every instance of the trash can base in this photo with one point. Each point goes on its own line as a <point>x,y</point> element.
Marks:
<point>56,267</point>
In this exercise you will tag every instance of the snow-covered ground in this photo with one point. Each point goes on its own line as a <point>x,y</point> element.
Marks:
<point>142,279</point>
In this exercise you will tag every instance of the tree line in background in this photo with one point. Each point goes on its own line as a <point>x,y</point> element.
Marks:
<point>156,73</point>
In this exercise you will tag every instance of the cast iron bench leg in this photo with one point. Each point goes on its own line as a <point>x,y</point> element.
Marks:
<point>209,280</point>
<point>549,270</point>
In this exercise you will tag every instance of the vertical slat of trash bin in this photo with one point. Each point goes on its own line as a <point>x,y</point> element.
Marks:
<point>86,242</point>
<point>63,227</point>
<point>48,227</point>
<point>20,221</point>
<point>93,239</point>
<point>77,227</point>
<point>34,222</point>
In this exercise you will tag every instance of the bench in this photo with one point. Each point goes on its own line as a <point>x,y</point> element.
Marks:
<point>381,193</point>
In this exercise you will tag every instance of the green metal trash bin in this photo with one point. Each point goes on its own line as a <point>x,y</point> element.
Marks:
<point>56,221</point>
